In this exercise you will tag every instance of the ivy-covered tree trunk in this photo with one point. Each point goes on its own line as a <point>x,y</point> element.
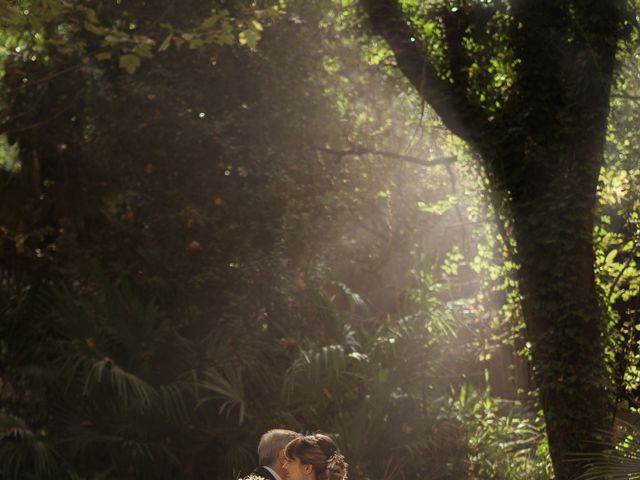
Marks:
<point>565,322</point>
<point>541,141</point>
<point>565,325</point>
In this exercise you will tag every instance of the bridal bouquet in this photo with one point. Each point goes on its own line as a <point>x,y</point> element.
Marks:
<point>253,476</point>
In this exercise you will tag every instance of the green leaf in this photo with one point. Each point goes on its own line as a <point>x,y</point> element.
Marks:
<point>256,25</point>
<point>89,13</point>
<point>165,43</point>
<point>95,29</point>
<point>143,50</point>
<point>429,27</point>
<point>211,21</point>
<point>116,37</point>
<point>196,43</point>
<point>249,37</point>
<point>439,207</point>
<point>129,62</point>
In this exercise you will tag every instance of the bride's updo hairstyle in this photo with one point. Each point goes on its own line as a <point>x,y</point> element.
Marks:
<point>321,452</point>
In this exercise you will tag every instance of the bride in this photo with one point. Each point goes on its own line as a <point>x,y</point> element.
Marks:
<point>314,457</point>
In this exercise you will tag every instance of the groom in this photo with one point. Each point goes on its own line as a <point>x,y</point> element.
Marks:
<point>271,454</point>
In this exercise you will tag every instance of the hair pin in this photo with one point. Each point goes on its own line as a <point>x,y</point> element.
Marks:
<point>334,459</point>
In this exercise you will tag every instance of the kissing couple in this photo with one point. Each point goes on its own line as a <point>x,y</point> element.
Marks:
<point>288,455</point>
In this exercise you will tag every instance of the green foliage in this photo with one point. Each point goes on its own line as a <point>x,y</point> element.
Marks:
<point>505,440</point>
<point>618,463</point>
<point>104,32</point>
<point>24,453</point>
<point>101,351</point>
<point>208,229</point>
<point>617,233</point>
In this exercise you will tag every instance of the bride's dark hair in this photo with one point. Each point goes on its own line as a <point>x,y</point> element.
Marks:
<point>321,452</point>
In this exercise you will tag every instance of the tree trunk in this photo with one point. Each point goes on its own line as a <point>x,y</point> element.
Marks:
<point>542,149</point>
<point>551,199</point>
<point>565,323</point>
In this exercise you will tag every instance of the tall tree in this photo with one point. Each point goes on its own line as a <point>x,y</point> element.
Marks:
<point>527,84</point>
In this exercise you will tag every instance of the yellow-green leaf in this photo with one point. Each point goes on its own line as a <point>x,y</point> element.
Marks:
<point>129,62</point>
<point>256,25</point>
<point>249,37</point>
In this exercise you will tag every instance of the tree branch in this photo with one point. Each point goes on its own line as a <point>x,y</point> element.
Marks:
<point>447,99</point>
<point>355,151</point>
<point>626,96</point>
<point>628,261</point>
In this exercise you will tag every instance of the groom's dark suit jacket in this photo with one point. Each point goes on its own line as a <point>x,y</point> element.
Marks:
<point>264,473</point>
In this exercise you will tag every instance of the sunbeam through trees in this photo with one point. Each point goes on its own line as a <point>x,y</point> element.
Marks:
<point>412,225</point>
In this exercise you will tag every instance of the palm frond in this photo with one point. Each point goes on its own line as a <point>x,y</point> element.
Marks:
<point>314,368</point>
<point>226,386</point>
<point>129,387</point>
<point>172,400</point>
<point>619,463</point>
<point>24,453</point>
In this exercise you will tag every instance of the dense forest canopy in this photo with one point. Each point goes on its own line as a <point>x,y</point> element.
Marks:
<point>411,224</point>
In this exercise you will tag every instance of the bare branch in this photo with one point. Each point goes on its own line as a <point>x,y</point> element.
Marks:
<point>48,77</point>
<point>357,150</point>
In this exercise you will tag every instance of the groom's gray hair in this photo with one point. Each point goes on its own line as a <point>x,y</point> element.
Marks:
<point>272,442</point>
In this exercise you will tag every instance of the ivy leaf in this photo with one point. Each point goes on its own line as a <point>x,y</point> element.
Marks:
<point>129,62</point>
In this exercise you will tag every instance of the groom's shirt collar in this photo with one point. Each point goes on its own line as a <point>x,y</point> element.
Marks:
<point>271,471</point>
